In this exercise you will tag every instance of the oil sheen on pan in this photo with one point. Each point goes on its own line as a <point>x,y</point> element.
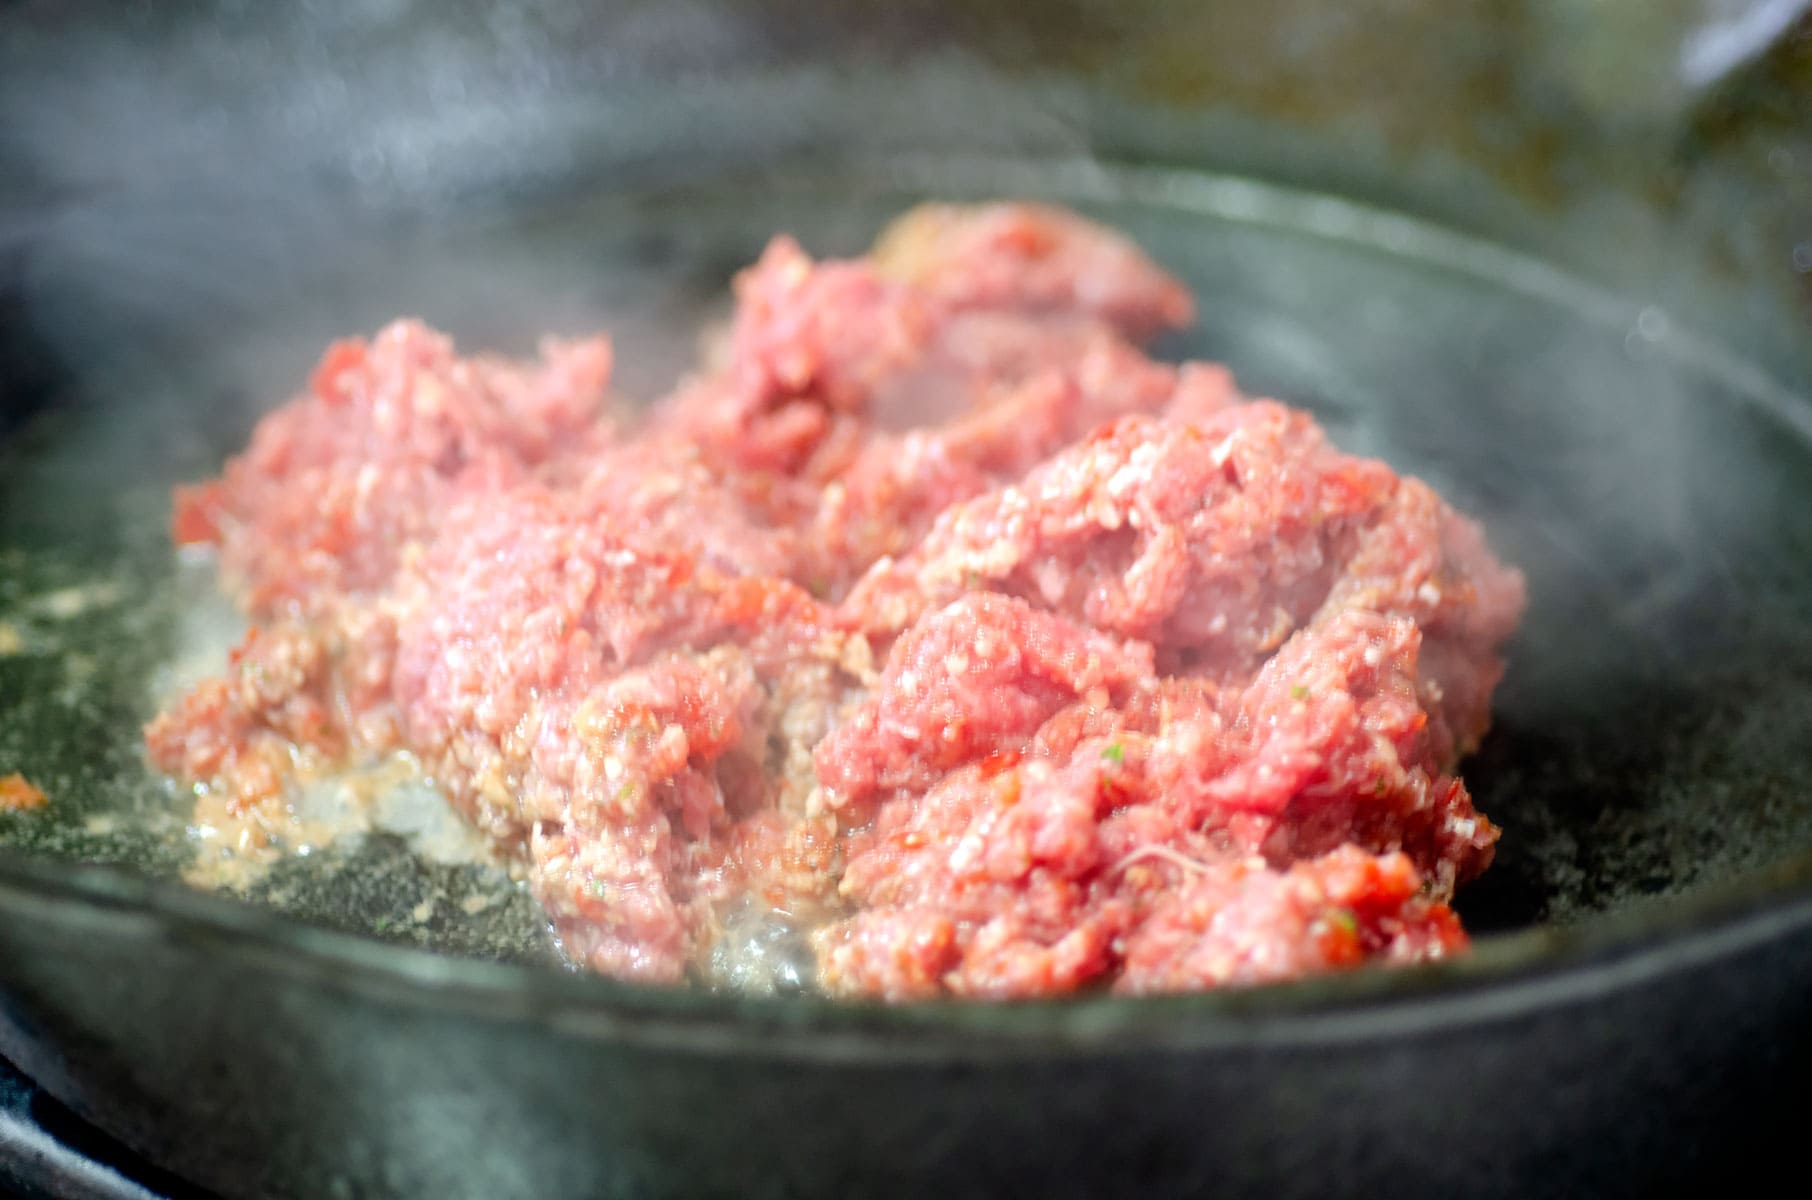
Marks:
<point>930,639</point>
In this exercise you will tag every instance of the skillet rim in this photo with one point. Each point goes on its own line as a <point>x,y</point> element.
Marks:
<point>1502,978</point>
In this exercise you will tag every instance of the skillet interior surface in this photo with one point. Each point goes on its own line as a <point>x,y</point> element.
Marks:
<point>1658,491</point>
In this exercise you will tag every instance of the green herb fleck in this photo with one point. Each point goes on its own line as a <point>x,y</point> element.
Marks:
<point>972,579</point>
<point>1299,692</point>
<point>597,887</point>
<point>1344,919</point>
<point>626,793</point>
<point>1113,754</point>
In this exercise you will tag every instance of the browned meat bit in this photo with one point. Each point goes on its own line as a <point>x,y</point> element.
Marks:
<point>18,795</point>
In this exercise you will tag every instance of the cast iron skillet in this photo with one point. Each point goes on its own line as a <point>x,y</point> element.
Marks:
<point>193,205</point>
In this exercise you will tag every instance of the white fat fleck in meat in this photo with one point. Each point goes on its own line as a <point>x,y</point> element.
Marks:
<point>1135,473</point>
<point>1223,450</point>
<point>968,852</point>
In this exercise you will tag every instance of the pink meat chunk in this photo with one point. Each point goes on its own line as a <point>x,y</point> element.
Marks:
<point>973,679</point>
<point>1035,259</point>
<point>334,485</point>
<point>1212,539</point>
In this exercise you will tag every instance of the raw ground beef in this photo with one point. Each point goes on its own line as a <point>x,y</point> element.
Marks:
<point>932,625</point>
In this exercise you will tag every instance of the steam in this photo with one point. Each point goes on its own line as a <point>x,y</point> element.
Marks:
<point>202,206</point>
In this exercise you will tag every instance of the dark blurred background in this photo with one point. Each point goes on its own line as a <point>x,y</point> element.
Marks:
<point>1663,146</point>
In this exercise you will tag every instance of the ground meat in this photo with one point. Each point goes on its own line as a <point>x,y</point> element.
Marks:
<point>932,632</point>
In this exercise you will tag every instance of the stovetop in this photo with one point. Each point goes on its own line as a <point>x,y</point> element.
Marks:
<point>49,1153</point>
